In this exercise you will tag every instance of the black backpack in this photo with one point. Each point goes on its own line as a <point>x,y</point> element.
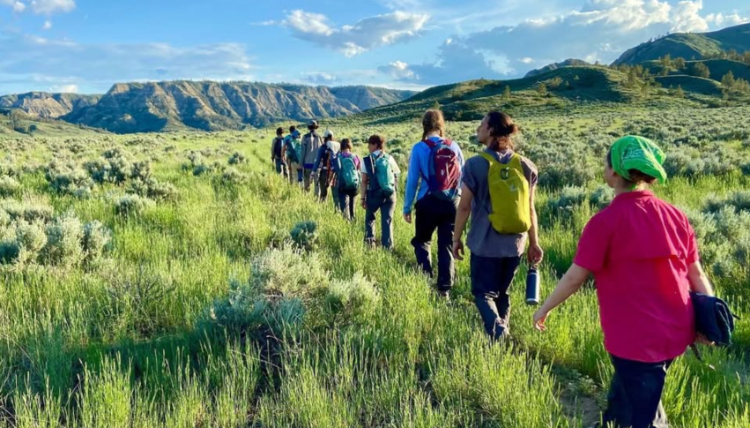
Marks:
<point>277,146</point>
<point>713,319</point>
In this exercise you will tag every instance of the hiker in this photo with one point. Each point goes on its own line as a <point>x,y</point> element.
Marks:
<point>379,180</point>
<point>323,169</point>
<point>644,257</point>
<point>311,142</point>
<point>347,169</point>
<point>498,193</point>
<point>277,149</point>
<point>434,178</point>
<point>291,152</point>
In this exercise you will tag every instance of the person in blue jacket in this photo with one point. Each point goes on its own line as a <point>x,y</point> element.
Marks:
<point>434,179</point>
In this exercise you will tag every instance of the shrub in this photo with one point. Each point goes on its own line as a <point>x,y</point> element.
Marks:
<point>201,169</point>
<point>738,201</point>
<point>96,238</point>
<point>305,235</point>
<point>30,210</point>
<point>352,301</point>
<point>8,186</point>
<point>132,204</point>
<point>237,158</point>
<point>153,189</point>
<point>232,176</point>
<point>67,178</point>
<point>64,238</point>
<point>287,272</point>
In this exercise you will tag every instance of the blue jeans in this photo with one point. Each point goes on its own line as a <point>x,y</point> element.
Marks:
<point>490,280</point>
<point>386,206</point>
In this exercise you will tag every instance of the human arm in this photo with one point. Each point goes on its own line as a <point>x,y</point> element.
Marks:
<point>535,253</point>
<point>699,282</point>
<point>412,184</point>
<point>318,159</point>
<point>365,181</point>
<point>283,149</point>
<point>462,217</point>
<point>570,283</point>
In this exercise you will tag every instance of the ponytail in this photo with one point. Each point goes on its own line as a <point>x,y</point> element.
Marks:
<point>502,129</point>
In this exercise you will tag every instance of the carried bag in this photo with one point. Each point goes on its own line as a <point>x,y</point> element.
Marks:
<point>444,170</point>
<point>293,149</point>
<point>383,179</point>
<point>509,196</point>
<point>278,143</point>
<point>348,174</point>
<point>713,319</point>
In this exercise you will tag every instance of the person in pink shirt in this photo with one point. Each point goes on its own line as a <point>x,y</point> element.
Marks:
<point>644,257</point>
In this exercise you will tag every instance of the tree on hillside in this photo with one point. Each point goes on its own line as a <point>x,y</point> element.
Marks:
<point>541,89</point>
<point>679,64</point>
<point>701,70</point>
<point>728,81</point>
<point>436,105</point>
<point>746,58</point>
<point>679,92</point>
<point>666,64</point>
<point>506,93</point>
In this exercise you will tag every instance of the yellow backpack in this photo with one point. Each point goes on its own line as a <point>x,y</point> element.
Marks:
<point>509,196</point>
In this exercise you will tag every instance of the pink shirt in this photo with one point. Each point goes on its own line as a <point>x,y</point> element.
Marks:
<point>639,249</point>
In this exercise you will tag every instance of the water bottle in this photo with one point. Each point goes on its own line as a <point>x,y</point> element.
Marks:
<point>532,286</point>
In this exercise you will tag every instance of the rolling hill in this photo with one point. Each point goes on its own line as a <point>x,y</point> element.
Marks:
<point>689,45</point>
<point>45,105</point>
<point>160,106</point>
<point>555,66</point>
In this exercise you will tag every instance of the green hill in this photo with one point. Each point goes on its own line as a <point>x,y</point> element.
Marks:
<point>692,84</point>
<point>689,45</point>
<point>470,100</point>
<point>555,66</point>
<point>718,68</point>
<point>164,106</point>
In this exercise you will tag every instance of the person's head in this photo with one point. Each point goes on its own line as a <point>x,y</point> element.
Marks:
<point>496,131</point>
<point>346,145</point>
<point>433,123</point>
<point>633,163</point>
<point>312,125</point>
<point>279,132</point>
<point>292,129</point>
<point>375,143</point>
<point>328,136</point>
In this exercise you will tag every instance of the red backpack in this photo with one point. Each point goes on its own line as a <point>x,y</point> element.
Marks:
<point>444,170</point>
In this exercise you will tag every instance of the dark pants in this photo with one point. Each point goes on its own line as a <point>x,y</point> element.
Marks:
<point>323,184</point>
<point>347,202</point>
<point>432,214</point>
<point>635,395</point>
<point>386,206</point>
<point>490,280</point>
<point>280,167</point>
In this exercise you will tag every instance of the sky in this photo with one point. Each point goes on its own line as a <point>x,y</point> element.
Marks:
<point>86,46</point>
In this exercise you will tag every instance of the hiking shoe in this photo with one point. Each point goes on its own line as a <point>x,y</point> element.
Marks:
<point>445,295</point>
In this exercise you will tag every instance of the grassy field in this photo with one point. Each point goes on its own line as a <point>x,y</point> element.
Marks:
<point>172,280</point>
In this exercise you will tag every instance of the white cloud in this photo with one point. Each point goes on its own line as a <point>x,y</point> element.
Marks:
<point>321,78</point>
<point>17,6</point>
<point>721,20</point>
<point>356,39</point>
<point>64,89</point>
<point>47,25</point>
<point>599,31</point>
<point>399,70</point>
<point>100,65</point>
<point>48,7</point>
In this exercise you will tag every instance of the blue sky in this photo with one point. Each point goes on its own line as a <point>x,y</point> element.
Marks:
<point>87,45</point>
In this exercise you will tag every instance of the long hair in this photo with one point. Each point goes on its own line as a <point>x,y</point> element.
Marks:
<point>433,121</point>
<point>502,128</point>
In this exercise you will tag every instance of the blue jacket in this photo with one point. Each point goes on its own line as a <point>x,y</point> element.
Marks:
<point>419,171</point>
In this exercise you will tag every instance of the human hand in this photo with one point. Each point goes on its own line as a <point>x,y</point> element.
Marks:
<point>364,203</point>
<point>458,250</point>
<point>535,255</point>
<point>407,218</point>
<point>702,340</point>
<point>540,318</point>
